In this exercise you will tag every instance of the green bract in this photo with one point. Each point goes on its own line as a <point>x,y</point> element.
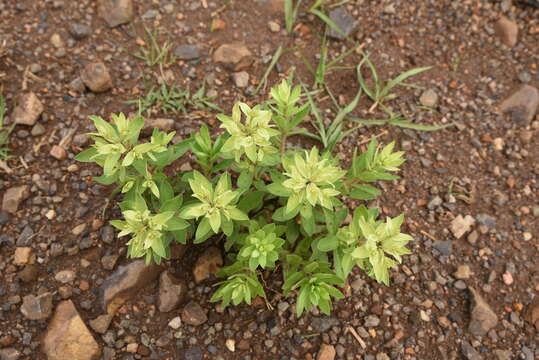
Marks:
<point>310,180</point>
<point>286,211</point>
<point>217,206</point>
<point>251,136</point>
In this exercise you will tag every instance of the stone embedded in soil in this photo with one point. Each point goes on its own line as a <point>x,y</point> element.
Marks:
<point>101,323</point>
<point>175,323</point>
<point>463,272</point>
<point>522,105</point>
<point>461,225</point>
<point>445,248</point>
<point>126,282</point>
<point>116,12</point>
<point>172,292</point>
<point>37,130</point>
<point>207,264</point>
<point>65,276</point>
<point>344,21</point>
<point>80,31</point>
<point>326,352</point>
<point>231,54</point>
<point>482,317</point>
<point>96,77</point>
<point>531,314</point>
<point>29,273</point>
<point>9,354</point>
<point>241,79</point>
<point>28,109</point>
<point>507,31</point>
<point>37,307</point>
<point>24,255</point>
<point>469,352</point>
<point>58,152</point>
<point>187,52</point>
<point>13,198</point>
<point>193,314</point>
<point>502,354</point>
<point>67,337</point>
<point>109,261</point>
<point>429,98</point>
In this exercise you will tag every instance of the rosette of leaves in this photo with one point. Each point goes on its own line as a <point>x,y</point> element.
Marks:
<point>216,206</point>
<point>250,136</point>
<point>261,247</point>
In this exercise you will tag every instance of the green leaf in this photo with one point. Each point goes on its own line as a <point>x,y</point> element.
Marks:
<point>328,243</point>
<point>203,229</point>
<point>158,247</point>
<point>86,155</point>
<point>172,204</point>
<point>278,189</point>
<point>245,180</point>
<point>365,192</point>
<point>281,215</point>
<point>175,223</point>
<point>251,201</point>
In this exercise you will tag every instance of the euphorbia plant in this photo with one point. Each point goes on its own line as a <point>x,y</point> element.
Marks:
<point>274,208</point>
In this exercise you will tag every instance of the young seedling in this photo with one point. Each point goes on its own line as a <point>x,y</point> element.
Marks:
<point>276,211</point>
<point>319,8</point>
<point>4,131</point>
<point>152,52</point>
<point>381,91</point>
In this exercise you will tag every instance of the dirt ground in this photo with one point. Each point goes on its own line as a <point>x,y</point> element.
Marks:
<point>485,167</point>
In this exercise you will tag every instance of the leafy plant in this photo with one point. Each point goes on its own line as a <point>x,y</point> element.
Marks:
<point>380,92</point>
<point>172,99</point>
<point>274,208</point>
<point>152,52</point>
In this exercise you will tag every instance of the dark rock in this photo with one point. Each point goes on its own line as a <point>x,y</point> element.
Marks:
<point>116,12</point>
<point>194,353</point>
<point>4,218</point>
<point>445,248</point>
<point>469,352</point>
<point>172,292</point>
<point>37,307</point>
<point>13,198</point>
<point>107,234</point>
<point>344,21</point>
<point>522,105</point>
<point>126,282</point>
<point>323,324</point>
<point>482,317</point>
<point>187,52</point>
<point>193,314</point>
<point>80,31</point>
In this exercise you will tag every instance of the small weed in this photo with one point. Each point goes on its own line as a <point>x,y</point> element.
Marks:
<point>324,66</point>
<point>319,8</point>
<point>4,131</point>
<point>272,64</point>
<point>172,99</point>
<point>381,91</point>
<point>398,120</point>
<point>153,53</point>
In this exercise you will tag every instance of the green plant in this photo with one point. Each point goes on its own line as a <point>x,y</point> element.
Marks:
<point>381,91</point>
<point>172,99</point>
<point>152,52</point>
<point>4,131</point>
<point>324,66</point>
<point>318,8</point>
<point>279,211</point>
